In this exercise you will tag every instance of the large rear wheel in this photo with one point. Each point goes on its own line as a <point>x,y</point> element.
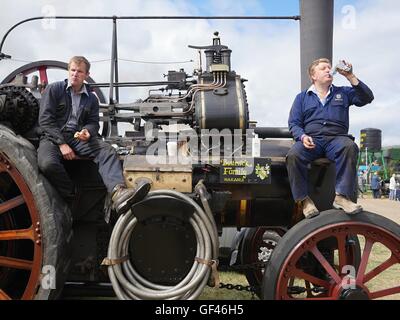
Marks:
<point>35,225</point>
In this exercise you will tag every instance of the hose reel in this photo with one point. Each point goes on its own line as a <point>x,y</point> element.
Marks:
<point>126,274</point>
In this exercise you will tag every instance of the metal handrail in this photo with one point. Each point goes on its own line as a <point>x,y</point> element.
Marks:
<point>2,55</point>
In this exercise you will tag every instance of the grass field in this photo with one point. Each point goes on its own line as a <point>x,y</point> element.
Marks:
<point>388,278</point>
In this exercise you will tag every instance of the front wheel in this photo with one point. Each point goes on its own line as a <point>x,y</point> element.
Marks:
<point>375,275</point>
<point>256,249</point>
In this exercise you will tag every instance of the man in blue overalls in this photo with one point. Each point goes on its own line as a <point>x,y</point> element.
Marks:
<point>319,122</point>
<point>69,120</point>
<point>376,185</point>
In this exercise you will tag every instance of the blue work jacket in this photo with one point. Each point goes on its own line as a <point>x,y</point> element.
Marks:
<point>56,108</point>
<point>375,182</point>
<point>308,115</point>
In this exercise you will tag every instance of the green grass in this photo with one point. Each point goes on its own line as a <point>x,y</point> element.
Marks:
<point>386,279</point>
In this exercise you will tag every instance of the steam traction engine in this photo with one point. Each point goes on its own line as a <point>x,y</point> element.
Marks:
<point>210,167</point>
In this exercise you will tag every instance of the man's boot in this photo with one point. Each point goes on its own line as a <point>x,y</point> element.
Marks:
<point>309,208</point>
<point>348,206</point>
<point>123,198</point>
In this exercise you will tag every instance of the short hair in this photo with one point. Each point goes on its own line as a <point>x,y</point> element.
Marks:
<point>315,63</point>
<point>79,60</point>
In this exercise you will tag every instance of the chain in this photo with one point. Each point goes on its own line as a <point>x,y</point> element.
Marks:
<point>253,289</point>
<point>238,287</point>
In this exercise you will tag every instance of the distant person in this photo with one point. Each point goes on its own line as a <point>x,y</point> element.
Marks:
<point>397,198</point>
<point>392,187</point>
<point>376,185</point>
<point>319,122</point>
<point>361,184</point>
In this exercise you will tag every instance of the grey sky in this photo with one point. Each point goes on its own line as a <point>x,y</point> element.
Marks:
<point>264,52</point>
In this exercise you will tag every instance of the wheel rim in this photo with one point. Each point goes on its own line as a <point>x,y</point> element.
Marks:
<point>24,236</point>
<point>295,283</point>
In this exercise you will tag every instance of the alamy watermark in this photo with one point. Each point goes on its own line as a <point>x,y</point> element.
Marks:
<point>349,17</point>
<point>48,277</point>
<point>49,11</point>
<point>204,146</point>
<point>349,280</point>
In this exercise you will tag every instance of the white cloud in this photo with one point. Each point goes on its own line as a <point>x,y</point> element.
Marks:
<point>374,49</point>
<point>264,52</point>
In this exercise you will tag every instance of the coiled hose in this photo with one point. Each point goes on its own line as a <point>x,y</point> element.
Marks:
<point>129,284</point>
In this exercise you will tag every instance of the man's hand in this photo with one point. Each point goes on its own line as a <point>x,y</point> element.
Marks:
<point>349,74</point>
<point>82,135</point>
<point>308,142</point>
<point>67,152</point>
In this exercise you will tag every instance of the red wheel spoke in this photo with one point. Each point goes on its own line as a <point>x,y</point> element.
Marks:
<point>379,269</point>
<point>17,234</point>
<point>11,204</point>
<point>15,263</point>
<point>43,74</point>
<point>308,277</point>
<point>4,296</point>
<point>341,240</point>
<point>326,264</point>
<point>385,292</point>
<point>364,261</point>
